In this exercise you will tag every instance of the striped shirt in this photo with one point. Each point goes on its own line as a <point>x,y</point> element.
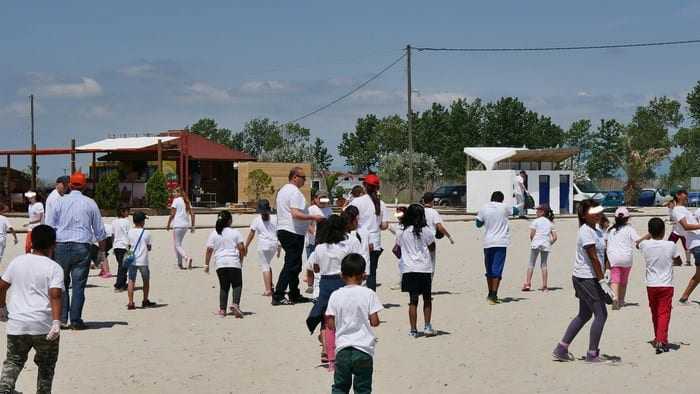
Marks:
<point>77,218</point>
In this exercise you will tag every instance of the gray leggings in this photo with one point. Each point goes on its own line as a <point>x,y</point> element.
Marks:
<point>586,309</point>
<point>543,257</point>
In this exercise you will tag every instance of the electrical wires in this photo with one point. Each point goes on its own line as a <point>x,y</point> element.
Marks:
<point>566,48</point>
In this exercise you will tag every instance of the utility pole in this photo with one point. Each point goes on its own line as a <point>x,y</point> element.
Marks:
<point>31,115</point>
<point>411,187</point>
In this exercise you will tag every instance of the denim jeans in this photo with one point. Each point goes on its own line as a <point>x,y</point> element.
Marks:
<point>293,245</point>
<point>74,258</point>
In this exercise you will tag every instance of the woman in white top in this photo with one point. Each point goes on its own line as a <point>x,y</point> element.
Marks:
<point>181,218</point>
<point>265,227</point>
<point>621,242</point>
<point>226,245</point>
<point>35,211</point>
<point>542,237</point>
<point>592,290</point>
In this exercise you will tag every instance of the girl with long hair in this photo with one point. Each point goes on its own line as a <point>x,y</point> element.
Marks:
<point>181,218</point>
<point>542,237</point>
<point>265,227</point>
<point>225,244</point>
<point>621,242</point>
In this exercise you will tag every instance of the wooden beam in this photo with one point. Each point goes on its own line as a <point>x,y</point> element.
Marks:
<point>160,155</point>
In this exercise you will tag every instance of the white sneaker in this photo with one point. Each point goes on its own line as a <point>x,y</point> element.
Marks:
<point>428,330</point>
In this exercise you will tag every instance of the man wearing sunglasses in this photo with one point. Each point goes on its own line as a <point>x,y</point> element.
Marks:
<point>292,223</point>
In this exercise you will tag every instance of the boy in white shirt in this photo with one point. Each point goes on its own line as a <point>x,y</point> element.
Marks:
<point>352,311</point>
<point>494,218</point>
<point>139,246</point>
<point>120,232</point>
<point>4,228</point>
<point>659,256</point>
<point>33,313</point>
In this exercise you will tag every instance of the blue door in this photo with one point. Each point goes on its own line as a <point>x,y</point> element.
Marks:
<point>544,189</point>
<point>564,185</point>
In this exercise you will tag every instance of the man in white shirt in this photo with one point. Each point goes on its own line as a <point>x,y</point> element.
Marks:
<point>292,223</point>
<point>35,284</point>
<point>62,188</point>
<point>78,224</point>
<point>494,218</point>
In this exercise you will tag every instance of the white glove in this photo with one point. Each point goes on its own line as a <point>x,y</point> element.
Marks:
<point>3,313</point>
<point>606,288</point>
<point>55,331</point>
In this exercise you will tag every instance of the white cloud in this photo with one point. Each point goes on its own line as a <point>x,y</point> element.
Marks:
<point>139,70</point>
<point>264,87</point>
<point>87,87</point>
<point>583,94</point>
<point>200,91</point>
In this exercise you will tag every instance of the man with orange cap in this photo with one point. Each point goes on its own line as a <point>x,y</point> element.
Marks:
<point>78,222</point>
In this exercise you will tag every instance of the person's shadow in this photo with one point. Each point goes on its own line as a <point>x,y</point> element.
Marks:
<point>508,300</point>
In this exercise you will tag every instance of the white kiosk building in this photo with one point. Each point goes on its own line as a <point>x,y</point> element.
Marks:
<point>549,176</point>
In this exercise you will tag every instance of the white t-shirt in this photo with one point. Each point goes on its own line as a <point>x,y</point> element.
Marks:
<point>329,257</point>
<point>415,256</point>
<point>266,231</point>
<point>225,248</point>
<point>288,197</point>
<point>692,237</point>
<point>35,211</point>
<point>315,210</point>
<point>432,218</point>
<point>4,228</point>
<point>583,267</point>
<point>140,252</point>
<point>120,230</point>
<point>521,184</point>
<point>543,228</point>
<point>621,245</point>
<point>496,229</point>
<point>31,276</point>
<point>679,212</point>
<point>182,218</point>
<point>364,244</point>
<point>351,306</point>
<point>658,256</point>
<point>369,221</point>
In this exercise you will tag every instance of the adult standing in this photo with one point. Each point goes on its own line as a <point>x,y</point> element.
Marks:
<point>521,193</point>
<point>373,218</point>
<point>689,226</point>
<point>494,218</point>
<point>62,187</point>
<point>35,211</point>
<point>592,290</point>
<point>292,224</point>
<point>181,219</point>
<point>78,222</point>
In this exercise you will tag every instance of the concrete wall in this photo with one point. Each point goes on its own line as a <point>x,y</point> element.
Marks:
<point>279,173</point>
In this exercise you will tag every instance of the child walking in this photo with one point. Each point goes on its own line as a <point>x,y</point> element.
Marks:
<point>542,237</point>
<point>139,246</point>
<point>352,312</point>
<point>622,239</point>
<point>226,245</point>
<point>5,227</point>
<point>120,232</point>
<point>659,256</point>
<point>265,227</point>
<point>416,241</point>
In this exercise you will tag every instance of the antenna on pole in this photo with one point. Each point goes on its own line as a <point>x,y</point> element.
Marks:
<point>409,92</point>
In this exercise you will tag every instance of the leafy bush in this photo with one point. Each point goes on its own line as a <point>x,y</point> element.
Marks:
<point>157,191</point>
<point>259,185</point>
<point>107,191</point>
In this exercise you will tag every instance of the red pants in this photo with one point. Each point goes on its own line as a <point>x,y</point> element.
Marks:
<point>660,300</point>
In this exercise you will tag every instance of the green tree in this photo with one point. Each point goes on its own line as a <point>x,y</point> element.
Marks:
<point>157,191</point>
<point>260,135</point>
<point>606,143</point>
<point>508,122</point>
<point>579,136</point>
<point>208,128</point>
<point>360,148</point>
<point>107,191</point>
<point>330,181</point>
<point>687,140</point>
<point>259,185</point>
<point>393,169</point>
<point>322,160</point>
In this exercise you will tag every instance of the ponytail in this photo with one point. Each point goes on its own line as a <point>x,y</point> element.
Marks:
<point>222,221</point>
<point>549,214</point>
<point>372,192</point>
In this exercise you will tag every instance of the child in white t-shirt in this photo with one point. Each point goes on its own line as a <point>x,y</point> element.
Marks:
<point>542,236</point>
<point>621,241</point>
<point>319,207</point>
<point>352,312</point>
<point>120,232</point>
<point>139,246</point>
<point>5,227</point>
<point>265,227</point>
<point>226,245</point>
<point>659,256</point>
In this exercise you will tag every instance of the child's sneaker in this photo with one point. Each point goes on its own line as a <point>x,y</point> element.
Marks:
<point>428,330</point>
<point>561,353</point>
<point>683,302</point>
<point>130,307</point>
<point>413,333</point>
<point>147,304</point>
<point>493,301</point>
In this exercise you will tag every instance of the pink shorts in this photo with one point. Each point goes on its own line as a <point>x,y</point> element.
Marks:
<point>620,275</point>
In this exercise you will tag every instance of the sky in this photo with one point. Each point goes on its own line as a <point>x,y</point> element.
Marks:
<point>138,67</point>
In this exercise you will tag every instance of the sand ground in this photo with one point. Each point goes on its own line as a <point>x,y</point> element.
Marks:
<point>183,347</point>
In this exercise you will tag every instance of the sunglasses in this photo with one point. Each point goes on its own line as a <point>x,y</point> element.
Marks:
<point>301,176</point>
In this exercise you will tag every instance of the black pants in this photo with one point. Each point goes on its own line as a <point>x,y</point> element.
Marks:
<point>229,278</point>
<point>293,245</point>
<point>373,263</point>
<point>121,269</point>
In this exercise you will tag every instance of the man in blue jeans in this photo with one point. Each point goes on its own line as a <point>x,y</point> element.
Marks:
<point>78,222</point>
<point>494,218</point>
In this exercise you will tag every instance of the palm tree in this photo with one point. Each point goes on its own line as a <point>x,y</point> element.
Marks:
<point>636,163</point>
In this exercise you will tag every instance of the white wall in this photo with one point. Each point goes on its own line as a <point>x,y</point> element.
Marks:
<point>534,187</point>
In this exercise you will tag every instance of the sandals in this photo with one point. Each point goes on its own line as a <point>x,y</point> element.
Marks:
<point>526,287</point>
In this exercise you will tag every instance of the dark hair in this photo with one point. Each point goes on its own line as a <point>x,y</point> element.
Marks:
<point>350,214</point>
<point>43,237</point>
<point>223,220</point>
<point>357,191</point>
<point>414,216</point>
<point>265,216</point>
<point>583,209</point>
<point>549,214</point>
<point>333,230</point>
<point>497,196</point>
<point>353,265</point>
<point>656,227</point>
<point>620,222</point>
<point>372,192</point>
<point>122,209</point>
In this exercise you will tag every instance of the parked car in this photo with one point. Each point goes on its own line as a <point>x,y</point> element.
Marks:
<point>450,195</point>
<point>614,199</point>
<point>586,191</point>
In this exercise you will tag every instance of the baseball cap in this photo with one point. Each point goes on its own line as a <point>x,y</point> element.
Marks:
<point>139,216</point>
<point>323,198</point>
<point>596,210</point>
<point>622,212</point>
<point>78,179</point>
<point>63,179</point>
<point>263,206</point>
<point>372,179</point>
<point>30,194</point>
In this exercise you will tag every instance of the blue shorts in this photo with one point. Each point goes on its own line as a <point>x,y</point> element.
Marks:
<point>143,269</point>
<point>494,260</point>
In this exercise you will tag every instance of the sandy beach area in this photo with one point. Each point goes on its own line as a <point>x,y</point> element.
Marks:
<point>182,346</point>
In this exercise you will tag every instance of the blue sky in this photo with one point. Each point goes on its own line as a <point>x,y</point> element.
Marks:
<point>129,67</point>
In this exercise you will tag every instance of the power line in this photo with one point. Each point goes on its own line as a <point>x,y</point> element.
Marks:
<point>350,93</point>
<point>565,48</point>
